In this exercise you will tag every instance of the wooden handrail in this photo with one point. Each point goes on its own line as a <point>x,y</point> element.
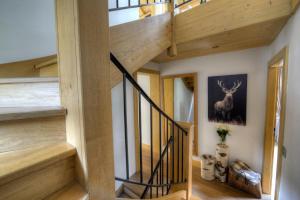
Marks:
<point>47,63</point>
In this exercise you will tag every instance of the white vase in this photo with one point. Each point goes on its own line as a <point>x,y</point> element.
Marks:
<point>207,167</point>
<point>221,162</point>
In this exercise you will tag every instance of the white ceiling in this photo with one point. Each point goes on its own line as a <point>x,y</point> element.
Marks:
<point>27,29</point>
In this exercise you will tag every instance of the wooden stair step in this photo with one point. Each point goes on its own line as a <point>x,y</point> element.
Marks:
<point>29,127</point>
<point>26,92</point>
<point>17,113</point>
<point>36,173</point>
<point>134,190</point>
<point>73,191</point>
<point>16,164</point>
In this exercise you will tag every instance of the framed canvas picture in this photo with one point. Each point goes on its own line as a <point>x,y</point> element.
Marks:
<point>227,99</point>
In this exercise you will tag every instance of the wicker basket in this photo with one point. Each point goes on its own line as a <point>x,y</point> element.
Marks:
<point>243,178</point>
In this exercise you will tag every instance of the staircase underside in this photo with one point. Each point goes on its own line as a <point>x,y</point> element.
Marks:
<point>256,35</point>
<point>222,25</point>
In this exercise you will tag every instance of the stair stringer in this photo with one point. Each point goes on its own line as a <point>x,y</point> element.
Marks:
<point>138,42</point>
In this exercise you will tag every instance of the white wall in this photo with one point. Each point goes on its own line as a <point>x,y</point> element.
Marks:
<point>290,36</point>
<point>246,142</point>
<point>182,101</point>
<point>144,81</point>
<point>118,131</point>
<point>123,16</point>
<point>27,29</point>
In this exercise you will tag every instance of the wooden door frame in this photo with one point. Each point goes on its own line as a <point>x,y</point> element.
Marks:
<point>282,55</point>
<point>195,76</point>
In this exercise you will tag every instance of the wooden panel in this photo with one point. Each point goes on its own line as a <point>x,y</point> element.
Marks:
<point>52,178</point>
<point>83,46</point>
<point>222,15</point>
<point>22,69</point>
<point>136,43</point>
<point>247,37</point>
<point>168,96</point>
<point>155,96</point>
<point>22,134</point>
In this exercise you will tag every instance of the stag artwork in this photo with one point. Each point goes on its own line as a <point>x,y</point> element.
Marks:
<point>227,97</point>
<point>225,106</point>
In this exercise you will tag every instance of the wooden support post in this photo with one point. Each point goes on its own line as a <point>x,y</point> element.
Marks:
<point>188,152</point>
<point>172,50</point>
<point>190,164</point>
<point>84,66</point>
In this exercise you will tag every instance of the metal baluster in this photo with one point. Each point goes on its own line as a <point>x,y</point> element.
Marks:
<point>156,183</point>
<point>125,125</point>
<point>182,133</point>
<point>167,153</point>
<point>129,3</point>
<point>173,153</point>
<point>117,3</point>
<point>160,146</point>
<point>162,165</point>
<point>178,154</point>
<point>140,130</point>
<point>151,146</point>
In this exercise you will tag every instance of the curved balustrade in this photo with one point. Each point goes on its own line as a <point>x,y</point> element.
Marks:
<point>171,167</point>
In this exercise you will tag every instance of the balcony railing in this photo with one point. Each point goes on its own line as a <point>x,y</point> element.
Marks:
<point>120,5</point>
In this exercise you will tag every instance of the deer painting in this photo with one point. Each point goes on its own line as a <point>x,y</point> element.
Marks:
<point>224,107</point>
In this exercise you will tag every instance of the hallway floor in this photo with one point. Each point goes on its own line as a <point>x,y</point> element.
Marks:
<point>212,190</point>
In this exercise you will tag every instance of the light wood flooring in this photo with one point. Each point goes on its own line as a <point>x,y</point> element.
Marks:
<point>212,190</point>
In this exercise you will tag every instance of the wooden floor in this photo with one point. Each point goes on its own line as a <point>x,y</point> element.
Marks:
<point>205,190</point>
<point>212,190</point>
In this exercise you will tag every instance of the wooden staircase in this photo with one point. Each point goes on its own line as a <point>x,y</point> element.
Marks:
<point>36,162</point>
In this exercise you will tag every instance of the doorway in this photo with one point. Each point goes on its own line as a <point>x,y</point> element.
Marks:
<point>274,124</point>
<point>149,80</point>
<point>180,100</point>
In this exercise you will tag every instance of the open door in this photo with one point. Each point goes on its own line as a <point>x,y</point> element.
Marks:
<point>180,100</point>
<point>274,124</point>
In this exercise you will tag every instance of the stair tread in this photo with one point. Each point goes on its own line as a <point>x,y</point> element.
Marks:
<point>139,189</point>
<point>28,80</point>
<point>16,113</point>
<point>15,164</point>
<point>71,192</point>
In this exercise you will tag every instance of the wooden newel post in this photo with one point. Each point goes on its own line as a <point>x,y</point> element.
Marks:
<point>84,70</point>
<point>188,154</point>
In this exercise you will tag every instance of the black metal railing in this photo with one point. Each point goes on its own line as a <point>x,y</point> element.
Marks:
<point>135,4</point>
<point>177,5</point>
<point>170,165</point>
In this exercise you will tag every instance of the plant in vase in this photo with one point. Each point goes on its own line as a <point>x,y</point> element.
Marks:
<point>221,167</point>
<point>223,131</point>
